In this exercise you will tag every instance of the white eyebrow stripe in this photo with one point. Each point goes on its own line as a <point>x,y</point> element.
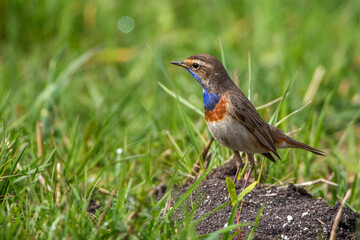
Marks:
<point>205,64</point>
<point>191,61</point>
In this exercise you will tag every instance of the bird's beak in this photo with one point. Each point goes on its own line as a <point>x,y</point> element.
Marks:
<point>178,63</point>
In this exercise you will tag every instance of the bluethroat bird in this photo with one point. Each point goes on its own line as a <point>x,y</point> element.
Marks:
<point>232,119</point>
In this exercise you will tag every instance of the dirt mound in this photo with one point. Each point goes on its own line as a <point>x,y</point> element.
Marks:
<point>291,213</point>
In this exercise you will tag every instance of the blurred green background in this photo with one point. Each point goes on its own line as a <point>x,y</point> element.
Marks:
<point>89,72</point>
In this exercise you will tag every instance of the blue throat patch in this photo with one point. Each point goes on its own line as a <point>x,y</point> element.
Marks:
<point>210,99</point>
<point>195,76</point>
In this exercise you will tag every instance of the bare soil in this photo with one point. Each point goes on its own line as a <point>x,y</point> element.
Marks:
<point>291,213</point>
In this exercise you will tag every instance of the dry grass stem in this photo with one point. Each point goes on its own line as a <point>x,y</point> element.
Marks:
<point>102,216</point>
<point>320,180</point>
<point>298,110</point>
<point>270,103</point>
<point>40,153</point>
<point>58,178</point>
<point>338,216</point>
<point>315,83</point>
<point>195,171</point>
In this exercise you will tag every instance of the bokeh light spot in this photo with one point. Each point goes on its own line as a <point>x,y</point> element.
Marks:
<point>126,24</point>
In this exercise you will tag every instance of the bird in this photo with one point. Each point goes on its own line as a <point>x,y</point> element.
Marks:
<point>232,119</point>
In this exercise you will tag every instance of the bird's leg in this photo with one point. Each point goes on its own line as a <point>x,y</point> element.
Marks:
<point>251,163</point>
<point>239,164</point>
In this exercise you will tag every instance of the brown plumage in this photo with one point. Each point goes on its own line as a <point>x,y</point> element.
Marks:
<point>242,128</point>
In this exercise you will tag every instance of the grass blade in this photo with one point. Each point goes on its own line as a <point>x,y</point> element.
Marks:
<point>256,223</point>
<point>54,89</point>
<point>232,190</point>
<point>182,100</point>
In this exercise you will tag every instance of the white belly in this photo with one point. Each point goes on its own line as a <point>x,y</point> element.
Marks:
<point>235,136</point>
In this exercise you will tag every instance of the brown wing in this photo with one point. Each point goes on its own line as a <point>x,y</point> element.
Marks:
<point>269,156</point>
<point>246,113</point>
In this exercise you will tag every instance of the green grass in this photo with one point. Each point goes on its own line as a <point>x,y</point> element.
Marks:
<point>93,101</point>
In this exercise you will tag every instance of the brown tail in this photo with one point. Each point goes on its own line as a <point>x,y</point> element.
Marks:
<point>283,141</point>
<point>295,144</point>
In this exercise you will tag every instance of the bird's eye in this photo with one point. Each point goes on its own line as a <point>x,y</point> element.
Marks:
<point>196,65</point>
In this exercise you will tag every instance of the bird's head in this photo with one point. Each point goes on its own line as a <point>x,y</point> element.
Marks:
<point>207,70</point>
